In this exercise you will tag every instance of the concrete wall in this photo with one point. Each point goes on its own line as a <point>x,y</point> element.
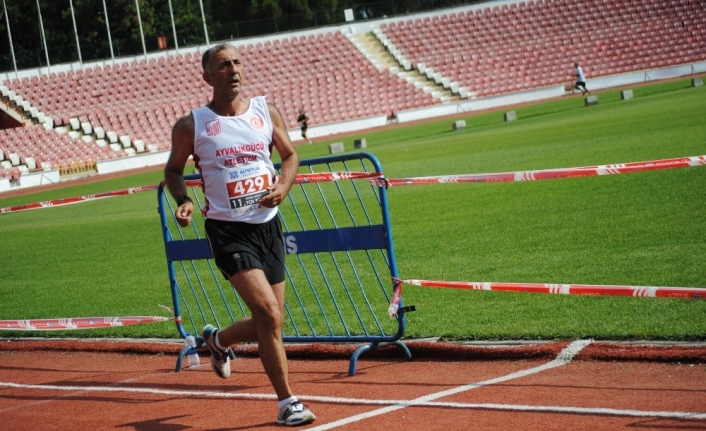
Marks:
<point>132,162</point>
<point>643,76</point>
<point>32,179</point>
<point>325,130</point>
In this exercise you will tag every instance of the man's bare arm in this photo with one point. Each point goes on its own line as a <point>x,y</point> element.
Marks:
<point>289,156</point>
<point>182,148</point>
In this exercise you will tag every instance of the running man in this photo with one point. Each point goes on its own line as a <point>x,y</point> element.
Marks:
<point>303,121</point>
<point>580,80</point>
<point>231,140</point>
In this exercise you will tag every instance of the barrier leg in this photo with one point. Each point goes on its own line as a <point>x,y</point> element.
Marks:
<point>405,349</point>
<point>362,349</point>
<point>180,358</point>
<point>354,359</point>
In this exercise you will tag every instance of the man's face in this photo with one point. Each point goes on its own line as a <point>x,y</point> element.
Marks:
<point>226,71</point>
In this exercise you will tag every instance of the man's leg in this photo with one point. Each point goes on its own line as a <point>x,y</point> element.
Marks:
<point>267,306</point>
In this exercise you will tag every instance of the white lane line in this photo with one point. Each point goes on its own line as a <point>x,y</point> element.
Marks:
<point>563,358</point>
<point>148,391</point>
<point>361,401</point>
<point>78,390</point>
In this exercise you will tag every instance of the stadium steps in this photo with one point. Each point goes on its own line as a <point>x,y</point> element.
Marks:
<point>37,145</point>
<point>12,109</point>
<point>381,56</point>
<point>373,46</point>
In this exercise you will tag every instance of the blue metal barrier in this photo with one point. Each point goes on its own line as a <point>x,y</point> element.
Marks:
<point>339,270</point>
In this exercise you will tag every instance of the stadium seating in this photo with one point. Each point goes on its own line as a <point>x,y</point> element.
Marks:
<point>115,110</point>
<point>507,48</point>
<point>301,72</point>
<point>49,149</point>
<point>141,100</point>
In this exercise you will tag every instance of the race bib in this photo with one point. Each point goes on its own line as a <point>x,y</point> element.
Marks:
<point>246,185</point>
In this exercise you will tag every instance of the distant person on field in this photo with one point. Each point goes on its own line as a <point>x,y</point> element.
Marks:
<point>231,140</point>
<point>580,80</point>
<point>303,122</point>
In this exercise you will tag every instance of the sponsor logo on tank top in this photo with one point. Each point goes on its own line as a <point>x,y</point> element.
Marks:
<point>213,127</point>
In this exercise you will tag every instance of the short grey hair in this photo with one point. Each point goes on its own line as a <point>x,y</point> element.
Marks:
<point>206,57</point>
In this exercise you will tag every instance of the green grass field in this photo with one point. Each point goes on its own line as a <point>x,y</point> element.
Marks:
<point>106,257</point>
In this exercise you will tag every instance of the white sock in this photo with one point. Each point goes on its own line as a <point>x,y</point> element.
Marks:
<point>217,343</point>
<point>285,402</point>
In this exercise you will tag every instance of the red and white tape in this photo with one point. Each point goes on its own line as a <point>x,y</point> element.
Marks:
<point>77,323</point>
<point>320,177</point>
<point>378,178</point>
<point>300,179</point>
<point>548,174</point>
<point>570,289</point>
<point>317,177</point>
<point>75,200</point>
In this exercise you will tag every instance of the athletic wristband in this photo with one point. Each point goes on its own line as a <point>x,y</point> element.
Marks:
<point>183,199</point>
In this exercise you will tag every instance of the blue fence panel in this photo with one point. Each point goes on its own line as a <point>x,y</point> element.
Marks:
<point>340,266</point>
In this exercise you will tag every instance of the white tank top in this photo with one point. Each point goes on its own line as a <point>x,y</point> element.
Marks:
<point>233,156</point>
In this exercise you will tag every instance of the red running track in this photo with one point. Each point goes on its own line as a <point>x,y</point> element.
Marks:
<point>577,385</point>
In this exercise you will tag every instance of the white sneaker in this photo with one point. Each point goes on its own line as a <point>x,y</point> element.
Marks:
<point>220,359</point>
<point>294,414</point>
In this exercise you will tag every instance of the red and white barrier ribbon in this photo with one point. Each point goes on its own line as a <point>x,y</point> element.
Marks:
<point>317,177</point>
<point>396,297</point>
<point>77,323</point>
<point>570,289</point>
<point>300,179</point>
<point>377,178</point>
<point>320,177</point>
<point>75,200</point>
<point>548,174</point>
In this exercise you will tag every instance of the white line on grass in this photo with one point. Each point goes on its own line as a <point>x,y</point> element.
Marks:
<point>563,358</point>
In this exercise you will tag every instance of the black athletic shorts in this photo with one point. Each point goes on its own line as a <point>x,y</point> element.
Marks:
<point>238,246</point>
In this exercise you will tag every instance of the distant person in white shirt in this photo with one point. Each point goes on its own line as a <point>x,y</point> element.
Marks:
<point>580,80</point>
